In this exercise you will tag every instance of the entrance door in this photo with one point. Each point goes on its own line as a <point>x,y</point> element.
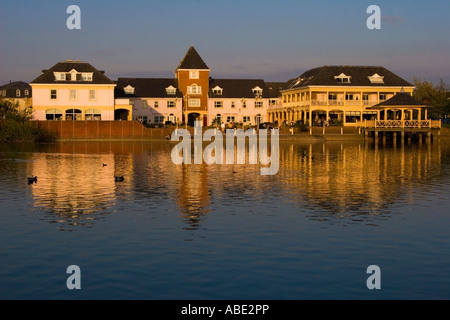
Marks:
<point>205,120</point>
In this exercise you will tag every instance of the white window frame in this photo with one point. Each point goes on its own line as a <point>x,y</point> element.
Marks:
<point>73,97</point>
<point>194,74</point>
<point>171,104</point>
<point>194,103</point>
<point>194,89</point>
<point>218,104</point>
<point>18,93</point>
<point>259,104</point>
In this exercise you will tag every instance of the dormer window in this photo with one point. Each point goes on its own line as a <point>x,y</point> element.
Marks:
<point>217,90</point>
<point>376,78</point>
<point>60,76</point>
<point>342,78</point>
<point>86,76</point>
<point>73,75</point>
<point>171,90</point>
<point>257,91</point>
<point>129,89</point>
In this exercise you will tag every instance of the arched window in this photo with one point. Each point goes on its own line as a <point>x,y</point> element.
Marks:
<point>194,89</point>
<point>93,114</point>
<point>73,114</point>
<point>53,114</point>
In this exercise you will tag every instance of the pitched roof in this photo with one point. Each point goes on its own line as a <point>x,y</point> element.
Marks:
<point>275,88</point>
<point>400,99</point>
<point>47,76</point>
<point>238,88</point>
<point>147,88</point>
<point>359,76</point>
<point>192,60</point>
<point>16,85</point>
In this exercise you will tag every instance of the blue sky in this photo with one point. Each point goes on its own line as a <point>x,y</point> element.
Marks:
<point>273,40</point>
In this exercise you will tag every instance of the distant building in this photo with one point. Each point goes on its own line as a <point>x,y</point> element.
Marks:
<point>151,100</point>
<point>18,92</point>
<point>337,95</point>
<point>73,90</point>
<point>243,101</point>
<point>193,95</point>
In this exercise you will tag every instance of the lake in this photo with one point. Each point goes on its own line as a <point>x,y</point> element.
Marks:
<point>171,232</point>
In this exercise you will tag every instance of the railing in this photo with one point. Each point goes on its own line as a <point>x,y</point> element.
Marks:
<point>349,103</point>
<point>411,124</point>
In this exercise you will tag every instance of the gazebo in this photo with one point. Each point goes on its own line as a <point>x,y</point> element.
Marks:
<point>401,107</point>
<point>401,113</point>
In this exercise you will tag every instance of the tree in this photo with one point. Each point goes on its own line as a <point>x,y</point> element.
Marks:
<point>9,110</point>
<point>435,96</point>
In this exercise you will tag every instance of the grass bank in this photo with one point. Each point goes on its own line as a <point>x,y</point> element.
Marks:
<point>12,130</point>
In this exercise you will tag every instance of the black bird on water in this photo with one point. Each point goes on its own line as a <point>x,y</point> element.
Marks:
<point>32,180</point>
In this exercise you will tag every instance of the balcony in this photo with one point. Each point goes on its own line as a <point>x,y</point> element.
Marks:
<point>399,124</point>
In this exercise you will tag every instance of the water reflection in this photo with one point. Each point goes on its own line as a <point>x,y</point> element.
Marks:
<point>355,179</point>
<point>323,180</point>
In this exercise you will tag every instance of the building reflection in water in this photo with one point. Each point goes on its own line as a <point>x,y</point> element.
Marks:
<point>324,180</point>
<point>355,179</point>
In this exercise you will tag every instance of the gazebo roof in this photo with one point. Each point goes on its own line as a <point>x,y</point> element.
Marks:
<point>399,100</point>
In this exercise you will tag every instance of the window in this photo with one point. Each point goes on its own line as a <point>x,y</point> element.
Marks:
<point>195,103</point>
<point>18,93</point>
<point>159,119</point>
<point>53,94</point>
<point>171,90</point>
<point>365,97</point>
<point>382,96</point>
<point>258,104</point>
<point>194,74</point>
<point>219,118</point>
<point>352,116</point>
<point>233,104</point>
<point>170,104</point>
<point>73,115</point>
<point>244,104</point>
<point>342,78</point>
<point>349,97</point>
<point>230,119</point>
<point>129,89</point>
<point>92,95</point>
<point>332,97</point>
<point>27,92</point>
<point>86,76</point>
<point>194,89</point>
<point>376,78</point>
<point>73,94</point>
<point>217,90</point>
<point>156,104</point>
<point>132,104</point>
<point>62,76</point>
<point>218,104</point>
<point>246,119</point>
<point>144,104</point>
<point>93,115</point>
<point>257,91</point>
<point>54,114</point>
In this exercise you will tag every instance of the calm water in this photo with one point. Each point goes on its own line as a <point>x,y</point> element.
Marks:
<point>225,232</point>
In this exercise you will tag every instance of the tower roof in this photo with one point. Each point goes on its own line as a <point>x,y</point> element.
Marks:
<point>192,60</point>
